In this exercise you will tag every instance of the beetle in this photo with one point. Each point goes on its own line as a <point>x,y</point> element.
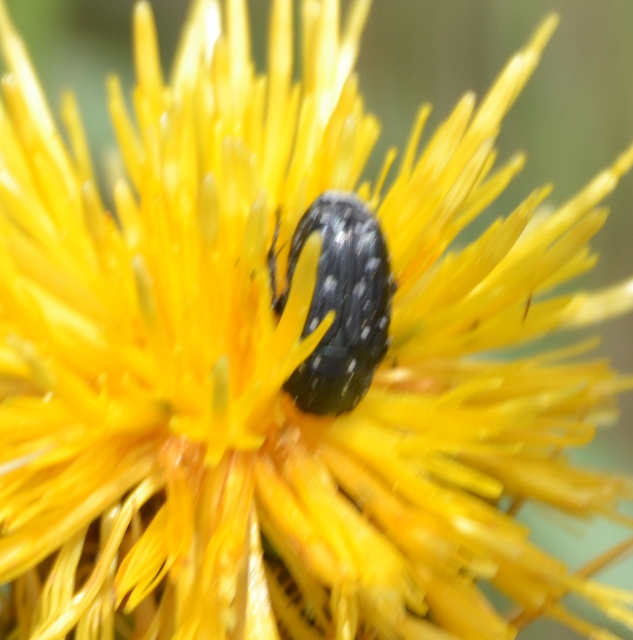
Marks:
<point>354,279</point>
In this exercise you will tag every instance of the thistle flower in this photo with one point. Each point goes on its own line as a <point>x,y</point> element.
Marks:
<point>156,480</point>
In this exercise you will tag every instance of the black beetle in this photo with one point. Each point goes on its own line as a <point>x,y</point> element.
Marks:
<point>354,279</point>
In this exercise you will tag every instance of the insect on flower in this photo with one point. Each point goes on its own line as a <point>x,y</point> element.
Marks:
<point>157,479</point>
<point>354,280</point>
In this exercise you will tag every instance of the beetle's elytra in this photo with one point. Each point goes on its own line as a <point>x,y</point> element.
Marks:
<point>354,279</point>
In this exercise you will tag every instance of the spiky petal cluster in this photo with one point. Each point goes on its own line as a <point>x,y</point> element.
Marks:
<point>155,481</point>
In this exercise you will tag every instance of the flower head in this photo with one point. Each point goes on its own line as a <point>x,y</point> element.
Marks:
<point>157,481</point>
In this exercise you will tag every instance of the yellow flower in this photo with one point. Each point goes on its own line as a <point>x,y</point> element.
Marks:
<point>156,482</point>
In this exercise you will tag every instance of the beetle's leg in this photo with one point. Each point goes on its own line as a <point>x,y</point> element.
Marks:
<point>278,302</point>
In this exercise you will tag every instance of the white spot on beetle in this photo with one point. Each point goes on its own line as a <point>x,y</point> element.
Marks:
<point>351,367</point>
<point>364,334</point>
<point>330,284</point>
<point>316,362</point>
<point>314,323</point>
<point>359,288</point>
<point>382,323</point>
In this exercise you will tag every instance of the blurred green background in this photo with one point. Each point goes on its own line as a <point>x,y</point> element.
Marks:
<point>574,118</point>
